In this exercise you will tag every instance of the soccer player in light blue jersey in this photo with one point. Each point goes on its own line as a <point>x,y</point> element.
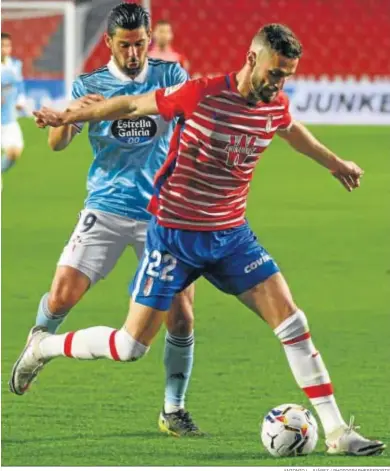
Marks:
<point>12,101</point>
<point>126,156</point>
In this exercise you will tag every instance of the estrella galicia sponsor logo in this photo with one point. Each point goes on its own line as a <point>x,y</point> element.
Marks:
<point>257,263</point>
<point>134,131</point>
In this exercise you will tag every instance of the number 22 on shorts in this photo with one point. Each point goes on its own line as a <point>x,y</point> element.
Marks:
<point>161,265</point>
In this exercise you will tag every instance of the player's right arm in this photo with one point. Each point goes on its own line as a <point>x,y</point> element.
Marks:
<point>110,109</point>
<point>115,108</point>
<point>60,137</point>
<point>179,100</point>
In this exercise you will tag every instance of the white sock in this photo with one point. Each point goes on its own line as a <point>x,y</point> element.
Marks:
<point>170,408</point>
<point>93,343</point>
<point>309,370</point>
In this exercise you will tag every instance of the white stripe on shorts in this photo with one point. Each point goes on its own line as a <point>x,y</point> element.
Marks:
<point>145,263</point>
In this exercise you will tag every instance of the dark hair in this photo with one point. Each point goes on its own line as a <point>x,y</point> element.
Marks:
<point>5,35</point>
<point>127,16</point>
<point>280,39</point>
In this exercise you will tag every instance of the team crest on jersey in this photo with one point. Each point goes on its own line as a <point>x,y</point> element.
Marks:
<point>239,148</point>
<point>268,125</point>
<point>134,131</point>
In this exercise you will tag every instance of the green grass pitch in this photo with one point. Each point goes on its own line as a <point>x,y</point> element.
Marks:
<point>332,246</point>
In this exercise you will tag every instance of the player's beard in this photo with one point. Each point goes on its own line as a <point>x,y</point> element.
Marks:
<point>134,70</point>
<point>261,92</point>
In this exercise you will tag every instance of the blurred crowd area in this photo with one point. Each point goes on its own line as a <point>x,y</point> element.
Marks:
<point>340,38</point>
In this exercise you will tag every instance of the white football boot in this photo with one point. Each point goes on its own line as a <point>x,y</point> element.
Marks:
<point>346,441</point>
<point>30,362</point>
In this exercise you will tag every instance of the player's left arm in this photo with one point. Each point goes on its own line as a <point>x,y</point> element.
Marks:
<point>302,140</point>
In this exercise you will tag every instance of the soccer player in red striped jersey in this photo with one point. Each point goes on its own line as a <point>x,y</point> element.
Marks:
<point>199,228</point>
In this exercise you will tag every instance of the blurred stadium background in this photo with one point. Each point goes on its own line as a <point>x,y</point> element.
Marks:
<point>346,45</point>
<point>333,247</point>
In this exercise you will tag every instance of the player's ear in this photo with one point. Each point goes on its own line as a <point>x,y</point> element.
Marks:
<point>107,40</point>
<point>149,33</point>
<point>251,59</point>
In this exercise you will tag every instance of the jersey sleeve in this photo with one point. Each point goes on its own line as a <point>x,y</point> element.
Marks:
<point>287,118</point>
<point>181,100</point>
<point>178,75</point>
<point>78,90</point>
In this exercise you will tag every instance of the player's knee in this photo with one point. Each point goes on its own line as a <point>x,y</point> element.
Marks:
<point>128,348</point>
<point>180,319</point>
<point>13,153</point>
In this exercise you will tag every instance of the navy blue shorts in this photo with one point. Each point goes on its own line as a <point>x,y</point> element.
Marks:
<point>232,260</point>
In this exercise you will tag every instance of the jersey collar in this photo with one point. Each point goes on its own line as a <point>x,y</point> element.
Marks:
<point>117,73</point>
<point>231,82</point>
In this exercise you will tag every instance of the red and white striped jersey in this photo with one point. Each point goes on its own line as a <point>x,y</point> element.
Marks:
<point>204,183</point>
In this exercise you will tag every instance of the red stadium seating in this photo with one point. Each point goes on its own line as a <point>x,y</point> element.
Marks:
<point>29,37</point>
<point>340,38</point>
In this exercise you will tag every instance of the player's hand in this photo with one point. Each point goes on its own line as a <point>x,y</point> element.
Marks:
<point>48,117</point>
<point>349,174</point>
<point>84,101</point>
<point>40,123</point>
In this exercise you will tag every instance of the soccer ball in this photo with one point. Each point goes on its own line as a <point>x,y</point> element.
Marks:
<point>289,430</point>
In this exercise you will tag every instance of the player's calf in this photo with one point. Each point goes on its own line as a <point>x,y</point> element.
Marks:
<point>309,369</point>
<point>14,153</point>
<point>180,317</point>
<point>48,319</point>
<point>94,343</point>
<point>87,344</point>
<point>68,287</point>
<point>9,158</point>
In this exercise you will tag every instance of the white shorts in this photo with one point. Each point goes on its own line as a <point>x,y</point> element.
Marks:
<point>99,239</point>
<point>11,136</point>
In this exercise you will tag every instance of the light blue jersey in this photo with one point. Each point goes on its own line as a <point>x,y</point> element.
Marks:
<point>127,153</point>
<point>12,89</point>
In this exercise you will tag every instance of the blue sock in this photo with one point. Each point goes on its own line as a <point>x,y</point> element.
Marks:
<point>6,163</point>
<point>178,361</point>
<point>45,318</point>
